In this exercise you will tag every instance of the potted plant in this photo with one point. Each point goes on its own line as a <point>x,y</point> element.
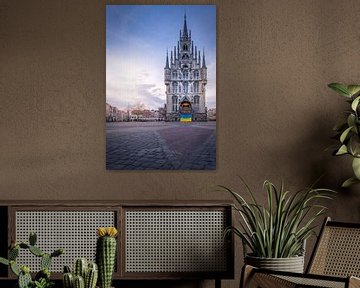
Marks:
<point>42,278</point>
<point>276,233</point>
<point>348,132</point>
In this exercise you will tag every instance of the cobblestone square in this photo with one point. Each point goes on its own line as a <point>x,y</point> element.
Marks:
<point>161,146</point>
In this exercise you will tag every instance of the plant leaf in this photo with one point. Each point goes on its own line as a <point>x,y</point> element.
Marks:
<point>349,182</point>
<point>342,150</point>
<point>355,103</point>
<point>345,134</point>
<point>356,167</point>
<point>4,261</point>
<point>340,88</point>
<point>353,89</point>
<point>351,120</point>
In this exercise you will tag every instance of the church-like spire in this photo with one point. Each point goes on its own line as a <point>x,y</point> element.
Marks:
<point>203,60</point>
<point>175,52</point>
<point>199,58</point>
<point>185,30</point>
<point>196,54</point>
<point>171,58</point>
<point>192,47</point>
<point>167,60</point>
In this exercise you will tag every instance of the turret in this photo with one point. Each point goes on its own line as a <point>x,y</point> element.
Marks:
<point>167,61</point>
<point>185,31</point>
<point>203,60</point>
<point>167,70</point>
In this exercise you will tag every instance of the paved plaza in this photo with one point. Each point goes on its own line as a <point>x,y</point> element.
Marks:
<point>161,146</point>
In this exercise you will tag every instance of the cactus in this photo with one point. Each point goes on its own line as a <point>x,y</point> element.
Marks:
<point>32,238</point>
<point>45,261</point>
<point>68,280</point>
<point>14,268</point>
<point>36,251</point>
<point>42,278</point>
<point>44,273</point>
<point>57,252</point>
<point>24,280</point>
<point>80,268</point>
<point>91,276</point>
<point>105,254</point>
<point>13,253</point>
<point>79,282</point>
<point>89,272</point>
<point>67,269</point>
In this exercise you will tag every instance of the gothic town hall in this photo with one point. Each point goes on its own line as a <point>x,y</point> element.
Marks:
<point>185,79</point>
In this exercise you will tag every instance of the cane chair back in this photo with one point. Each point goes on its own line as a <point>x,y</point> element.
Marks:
<point>337,252</point>
<point>335,262</point>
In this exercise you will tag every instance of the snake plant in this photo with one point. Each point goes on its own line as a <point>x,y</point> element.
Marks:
<point>279,228</point>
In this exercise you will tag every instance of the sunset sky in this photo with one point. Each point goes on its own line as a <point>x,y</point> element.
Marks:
<point>137,37</point>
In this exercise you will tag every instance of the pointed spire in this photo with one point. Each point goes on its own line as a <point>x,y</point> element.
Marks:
<point>171,58</point>
<point>199,58</point>
<point>185,31</point>
<point>167,60</point>
<point>196,54</point>
<point>175,52</point>
<point>192,47</point>
<point>178,50</point>
<point>203,60</point>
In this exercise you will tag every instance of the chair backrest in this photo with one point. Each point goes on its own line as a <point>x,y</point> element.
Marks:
<point>337,251</point>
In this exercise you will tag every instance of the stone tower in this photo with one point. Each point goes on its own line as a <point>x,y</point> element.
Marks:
<point>185,80</point>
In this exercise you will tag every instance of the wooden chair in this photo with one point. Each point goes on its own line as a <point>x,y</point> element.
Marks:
<point>335,262</point>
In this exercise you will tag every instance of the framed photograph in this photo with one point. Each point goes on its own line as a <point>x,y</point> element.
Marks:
<point>161,87</point>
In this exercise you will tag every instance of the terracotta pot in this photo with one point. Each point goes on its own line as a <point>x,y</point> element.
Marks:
<point>291,264</point>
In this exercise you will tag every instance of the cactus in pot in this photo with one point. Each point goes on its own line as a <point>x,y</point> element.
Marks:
<point>106,254</point>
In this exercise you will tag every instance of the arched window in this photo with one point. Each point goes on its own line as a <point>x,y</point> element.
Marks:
<point>196,99</point>
<point>196,86</point>
<point>186,85</point>
<point>185,47</point>
<point>186,74</point>
<point>196,74</point>
<point>174,74</point>
<point>174,87</point>
<point>174,103</point>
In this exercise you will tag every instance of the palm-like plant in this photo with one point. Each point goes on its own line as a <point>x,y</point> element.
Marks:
<point>349,132</point>
<point>280,229</point>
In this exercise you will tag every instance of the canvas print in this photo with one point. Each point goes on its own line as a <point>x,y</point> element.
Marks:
<point>161,87</point>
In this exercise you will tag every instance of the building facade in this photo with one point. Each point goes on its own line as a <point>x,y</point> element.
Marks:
<point>185,77</point>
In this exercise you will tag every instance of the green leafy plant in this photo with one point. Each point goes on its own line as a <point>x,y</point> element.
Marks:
<point>348,132</point>
<point>42,278</point>
<point>279,229</point>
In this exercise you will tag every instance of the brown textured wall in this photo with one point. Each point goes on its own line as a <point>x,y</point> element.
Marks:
<point>275,113</point>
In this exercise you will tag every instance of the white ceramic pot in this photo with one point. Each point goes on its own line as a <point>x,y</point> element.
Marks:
<point>291,264</point>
